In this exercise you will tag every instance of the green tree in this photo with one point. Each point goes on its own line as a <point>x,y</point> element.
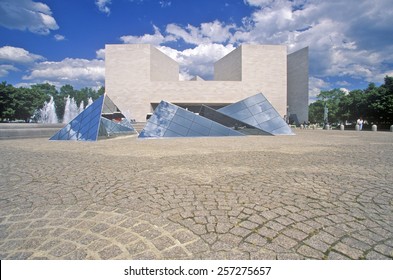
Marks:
<point>315,112</point>
<point>27,101</point>
<point>7,110</point>
<point>380,102</point>
<point>331,99</point>
<point>353,105</point>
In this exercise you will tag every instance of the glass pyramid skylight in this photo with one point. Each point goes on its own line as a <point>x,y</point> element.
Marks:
<point>258,112</point>
<point>228,121</point>
<point>99,120</point>
<point>169,120</point>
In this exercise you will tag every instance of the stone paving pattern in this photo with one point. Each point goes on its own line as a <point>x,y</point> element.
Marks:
<point>316,195</point>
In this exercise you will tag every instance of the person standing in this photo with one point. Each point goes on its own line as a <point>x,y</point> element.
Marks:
<point>360,123</point>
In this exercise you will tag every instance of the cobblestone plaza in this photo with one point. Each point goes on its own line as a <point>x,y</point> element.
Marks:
<point>316,195</point>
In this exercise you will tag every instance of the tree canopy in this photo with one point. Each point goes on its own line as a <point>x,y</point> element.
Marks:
<point>22,103</point>
<point>374,104</point>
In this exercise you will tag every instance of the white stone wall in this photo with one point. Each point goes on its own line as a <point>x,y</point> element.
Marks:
<point>162,67</point>
<point>229,68</point>
<point>129,83</point>
<point>298,85</point>
<point>266,66</point>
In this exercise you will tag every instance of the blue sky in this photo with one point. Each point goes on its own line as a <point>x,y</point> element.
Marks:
<point>63,42</point>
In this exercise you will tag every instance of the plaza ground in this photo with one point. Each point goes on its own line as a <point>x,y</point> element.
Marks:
<point>317,195</point>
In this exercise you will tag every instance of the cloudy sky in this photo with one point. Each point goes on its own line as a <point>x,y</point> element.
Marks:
<point>63,42</point>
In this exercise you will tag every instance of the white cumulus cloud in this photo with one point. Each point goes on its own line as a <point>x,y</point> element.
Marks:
<point>78,72</point>
<point>6,68</point>
<point>100,54</point>
<point>27,15</point>
<point>155,39</point>
<point>209,32</point>
<point>18,55</point>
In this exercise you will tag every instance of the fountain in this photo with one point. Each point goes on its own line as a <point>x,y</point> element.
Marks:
<point>70,110</point>
<point>81,107</point>
<point>89,102</point>
<point>48,112</point>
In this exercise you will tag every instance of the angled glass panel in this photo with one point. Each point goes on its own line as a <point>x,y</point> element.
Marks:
<point>251,121</point>
<point>260,107</point>
<point>284,130</point>
<point>102,130</point>
<point>272,124</point>
<point>233,108</point>
<point>170,133</point>
<point>83,131</point>
<point>182,121</point>
<point>113,128</point>
<point>257,98</point>
<point>232,132</point>
<point>158,123</point>
<point>203,122</point>
<point>163,114</point>
<point>186,114</point>
<point>93,134</point>
<point>179,129</point>
<point>203,130</point>
<point>192,133</point>
<point>262,114</point>
<point>223,130</point>
<point>109,106</point>
<point>151,130</point>
<point>229,122</point>
<point>127,123</point>
<point>265,116</point>
<point>241,115</point>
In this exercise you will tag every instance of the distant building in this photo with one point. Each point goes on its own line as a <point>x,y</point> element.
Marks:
<point>139,76</point>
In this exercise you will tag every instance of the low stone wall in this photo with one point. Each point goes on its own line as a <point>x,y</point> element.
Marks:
<point>28,130</point>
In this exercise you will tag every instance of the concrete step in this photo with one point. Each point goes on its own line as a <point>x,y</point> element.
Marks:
<point>138,126</point>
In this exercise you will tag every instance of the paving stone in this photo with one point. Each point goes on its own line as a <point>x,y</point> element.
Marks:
<point>309,252</point>
<point>256,240</point>
<point>163,242</point>
<point>384,249</point>
<point>267,232</point>
<point>184,236</point>
<point>78,254</point>
<point>337,256</point>
<point>137,248</point>
<point>197,247</point>
<point>63,249</point>
<point>351,252</point>
<point>147,255</point>
<point>317,244</point>
<point>295,234</point>
<point>110,252</point>
<point>285,241</point>
<point>352,242</point>
<point>32,244</point>
<point>373,255</point>
<point>174,253</point>
<point>20,255</point>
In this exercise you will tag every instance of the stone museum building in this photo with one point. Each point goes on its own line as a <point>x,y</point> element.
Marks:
<point>139,76</point>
